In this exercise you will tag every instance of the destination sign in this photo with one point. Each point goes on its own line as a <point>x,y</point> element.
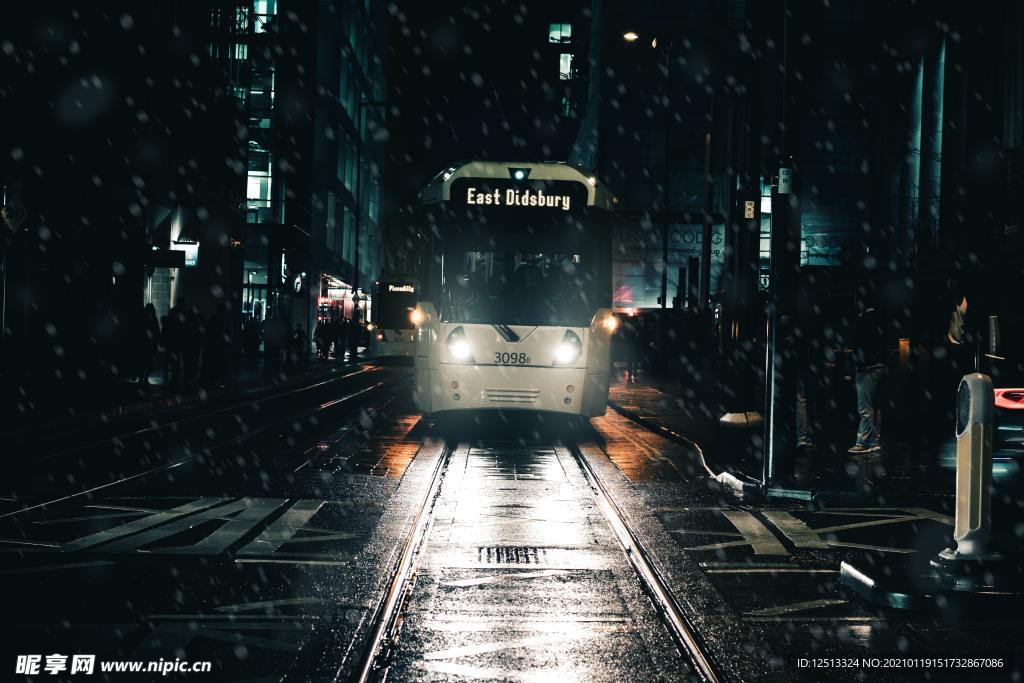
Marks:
<point>513,197</point>
<point>409,289</point>
<point>560,196</point>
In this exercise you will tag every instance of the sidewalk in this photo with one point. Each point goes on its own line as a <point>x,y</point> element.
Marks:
<point>733,455</point>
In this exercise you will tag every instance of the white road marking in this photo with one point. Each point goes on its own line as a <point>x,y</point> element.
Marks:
<point>56,567</point>
<point>142,524</point>
<point>795,607</point>
<point>796,530</point>
<point>246,606</point>
<point>35,544</point>
<point>755,534</point>
<point>268,560</point>
<point>283,529</point>
<point>239,517</point>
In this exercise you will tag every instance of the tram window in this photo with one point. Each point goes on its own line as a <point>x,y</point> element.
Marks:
<point>512,287</point>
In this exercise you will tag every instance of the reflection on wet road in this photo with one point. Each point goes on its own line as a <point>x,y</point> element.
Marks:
<point>522,579</point>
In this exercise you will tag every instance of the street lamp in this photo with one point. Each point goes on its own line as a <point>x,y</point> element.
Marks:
<point>632,37</point>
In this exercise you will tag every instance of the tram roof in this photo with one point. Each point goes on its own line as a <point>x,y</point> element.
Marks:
<point>439,189</point>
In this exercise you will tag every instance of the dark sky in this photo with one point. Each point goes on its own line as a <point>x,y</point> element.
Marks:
<point>468,80</point>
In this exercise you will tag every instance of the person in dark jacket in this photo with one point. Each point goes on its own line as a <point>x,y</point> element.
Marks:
<point>174,343</point>
<point>299,354</point>
<point>194,330</point>
<point>217,347</point>
<point>630,336</point>
<point>149,340</point>
<point>869,369</point>
<point>275,342</point>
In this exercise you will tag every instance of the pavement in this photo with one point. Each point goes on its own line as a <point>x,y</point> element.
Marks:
<point>761,575</point>
<point>903,469</point>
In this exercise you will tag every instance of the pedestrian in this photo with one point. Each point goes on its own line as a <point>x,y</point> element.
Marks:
<point>174,344</point>
<point>868,359</point>
<point>193,332</point>
<point>321,338</point>
<point>336,338</point>
<point>148,341</point>
<point>217,347</point>
<point>275,342</point>
<point>300,346</point>
<point>630,337</point>
<point>345,333</point>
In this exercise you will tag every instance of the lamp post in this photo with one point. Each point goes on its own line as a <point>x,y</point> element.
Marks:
<point>666,48</point>
<point>360,105</point>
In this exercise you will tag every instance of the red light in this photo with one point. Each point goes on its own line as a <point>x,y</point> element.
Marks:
<point>1010,399</point>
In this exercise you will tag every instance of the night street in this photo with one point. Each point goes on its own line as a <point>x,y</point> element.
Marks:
<point>576,340</point>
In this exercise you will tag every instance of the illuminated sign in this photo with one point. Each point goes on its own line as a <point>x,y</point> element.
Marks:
<point>191,250</point>
<point>517,197</point>
<point>408,289</point>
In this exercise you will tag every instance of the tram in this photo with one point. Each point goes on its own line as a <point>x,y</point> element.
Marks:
<point>391,332</point>
<point>514,309</point>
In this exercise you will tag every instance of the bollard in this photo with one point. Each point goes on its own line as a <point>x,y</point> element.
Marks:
<point>970,581</point>
<point>975,412</point>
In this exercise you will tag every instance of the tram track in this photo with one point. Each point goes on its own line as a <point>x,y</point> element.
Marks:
<point>181,422</point>
<point>260,431</point>
<point>390,613</point>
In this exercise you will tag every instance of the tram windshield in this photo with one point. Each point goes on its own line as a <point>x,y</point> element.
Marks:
<point>516,287</point>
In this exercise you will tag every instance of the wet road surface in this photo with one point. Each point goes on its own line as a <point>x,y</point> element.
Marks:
<point>522,578</point>
<point>267,551</point>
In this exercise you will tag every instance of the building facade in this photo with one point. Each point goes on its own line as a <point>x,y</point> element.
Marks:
<point>218,154</point>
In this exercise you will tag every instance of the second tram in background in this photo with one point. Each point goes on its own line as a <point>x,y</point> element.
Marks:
<point>514,311</point>
<point>392,331</point>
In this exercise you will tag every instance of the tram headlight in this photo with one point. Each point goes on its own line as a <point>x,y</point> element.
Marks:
<point>458,347</point>
<point>611,323</point>
<point>416,316</point>
<point>569,349</point>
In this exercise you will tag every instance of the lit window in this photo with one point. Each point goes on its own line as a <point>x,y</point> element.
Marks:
<point>264,11</point>
<point>559,33</point>
<point>564,66</point>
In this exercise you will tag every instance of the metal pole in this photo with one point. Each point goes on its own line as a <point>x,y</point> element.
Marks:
<point>359,210</point>
<point>359,200</point>
<point>705,245</point>
<point>668,177</point>
<point>3,262</point>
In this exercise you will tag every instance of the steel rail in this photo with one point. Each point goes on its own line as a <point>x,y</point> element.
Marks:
<point>650,578</point>
<point>188,458</point>
<point>199,416</point>
<point>388,613</point>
